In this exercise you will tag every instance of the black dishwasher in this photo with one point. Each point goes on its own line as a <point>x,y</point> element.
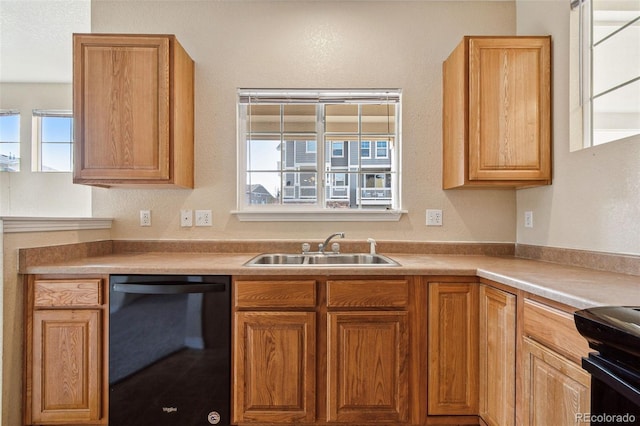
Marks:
<point>169,350</point>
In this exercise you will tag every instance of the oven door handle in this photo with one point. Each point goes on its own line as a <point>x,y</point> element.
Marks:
<point>168,288</point>
<point>600,371</point>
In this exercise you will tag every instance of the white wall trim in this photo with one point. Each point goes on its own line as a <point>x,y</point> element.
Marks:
<point>45,224</point>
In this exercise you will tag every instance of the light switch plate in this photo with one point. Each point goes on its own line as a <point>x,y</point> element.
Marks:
<point>434,217</point>
<point>203,218</point>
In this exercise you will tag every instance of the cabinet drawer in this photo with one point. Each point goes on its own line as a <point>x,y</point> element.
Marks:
<point>555,329</point>
<point>367,293</point>
<point>64,293</point>
<point>275,294</point>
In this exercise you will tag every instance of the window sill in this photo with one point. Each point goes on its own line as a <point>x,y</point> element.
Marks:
<point>319,215</point>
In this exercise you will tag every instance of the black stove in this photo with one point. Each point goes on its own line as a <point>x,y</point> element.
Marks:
<point>614,332</point>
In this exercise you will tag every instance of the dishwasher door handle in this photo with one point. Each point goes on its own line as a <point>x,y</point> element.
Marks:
<point>168,288</point>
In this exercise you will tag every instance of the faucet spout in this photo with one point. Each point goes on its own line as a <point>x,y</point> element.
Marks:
<point>323,246</point>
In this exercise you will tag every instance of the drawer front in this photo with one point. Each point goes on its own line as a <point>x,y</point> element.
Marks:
<point>64,293</point>
<point>275,294</point>
<point>555,329</point>
<point>367,293</point>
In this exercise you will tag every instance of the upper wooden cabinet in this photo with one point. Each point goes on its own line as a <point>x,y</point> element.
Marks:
<point>497,112</point>
<point>133,98</point>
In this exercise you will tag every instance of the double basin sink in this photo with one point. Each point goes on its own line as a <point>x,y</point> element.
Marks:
<point>321,259</point>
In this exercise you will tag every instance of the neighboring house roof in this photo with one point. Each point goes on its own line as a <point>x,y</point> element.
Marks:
<point>257,188</point>
<point>257,191</point>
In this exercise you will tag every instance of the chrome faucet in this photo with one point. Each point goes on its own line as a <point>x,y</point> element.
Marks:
<point>323,246</point>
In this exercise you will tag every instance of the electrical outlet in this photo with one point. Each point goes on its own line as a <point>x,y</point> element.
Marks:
<point>434,217</point>
<point>145,217</point>
<point>528,219</point>
<point>203,218</point>
<point>186,218</point>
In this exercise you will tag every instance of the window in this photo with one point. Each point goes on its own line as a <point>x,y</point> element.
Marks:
<point>311,149</point>
<point>365,149</point>
<point>9,141</point>
<point>381,149</point>
<point>52,141</point>
<point>610,69</point>
<point>338,149</point>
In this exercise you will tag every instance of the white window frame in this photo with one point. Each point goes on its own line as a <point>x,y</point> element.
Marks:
<point>315,147</point>
<point>587,92</point>
<point>368,156</point>
<point>13,112</point>
<point>318,211</point>
<point>36,137</point>
<point>385,154</point>
<point>337,149</point>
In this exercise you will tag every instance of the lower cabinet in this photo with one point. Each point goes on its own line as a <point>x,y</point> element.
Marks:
<point>325,350</point>
<point>367,351</point>
<point>483,363</point>
<point>453,349</point>
<point>497,367</point>
<point>555,389</point>
<point>274,367</point>
<point>65,379</point>
<point>367,367</point>
<point>319,351</point>
<point>274,351</point>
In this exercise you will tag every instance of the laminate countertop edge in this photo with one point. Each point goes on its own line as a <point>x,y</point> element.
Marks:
<point>574,286</point>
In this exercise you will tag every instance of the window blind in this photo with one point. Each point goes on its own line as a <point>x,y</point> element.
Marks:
<point>318,96</point>
<point>52,113</point>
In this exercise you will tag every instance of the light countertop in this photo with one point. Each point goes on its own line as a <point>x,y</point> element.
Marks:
<point>574,286</point>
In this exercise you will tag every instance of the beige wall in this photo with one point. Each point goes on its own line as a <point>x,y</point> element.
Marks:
<point>12,302</point>
<point>39,194</point>
<point>594,202</point>
<point>318,45</point>
<point>252,44</point>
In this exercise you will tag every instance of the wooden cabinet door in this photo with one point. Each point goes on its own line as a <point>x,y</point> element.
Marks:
<point>509,108</point>
<point>66,366</point>
<point>497,356</point>
<point>368,355</point>
<point>133,110</point>
<point>496,112</point>
<point>555,389</point>
<point>122,106</point>
<point>274,367</point>
<point>453,349</point>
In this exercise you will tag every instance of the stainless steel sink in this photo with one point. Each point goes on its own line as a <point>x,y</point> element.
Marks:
<point>349,259</point>
<point>320,259</point>
<point>276,259</point>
